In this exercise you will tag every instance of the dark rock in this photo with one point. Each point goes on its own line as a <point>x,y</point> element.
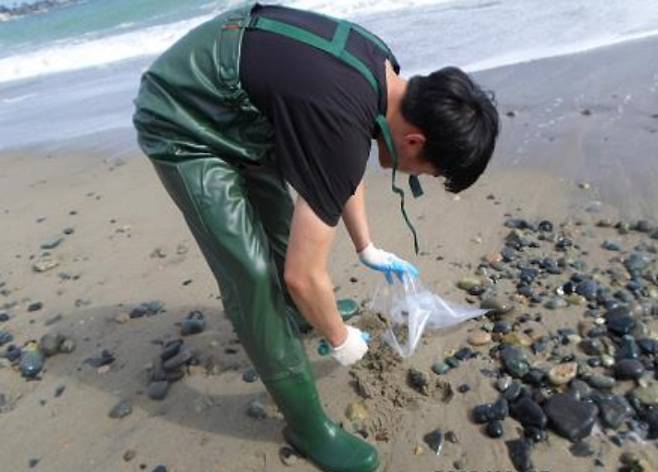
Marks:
<point>250,375</point>
<point>36,306</point>
<point>528,413</point>
<point>582,449</point>
<point>464,388</point>
<point>419,381</point>
<point>515,361</point>
<point>453,362</point>
<point>648,346</point>
<point>147,309</point>
<point>535,377</point>
<point>105,358</point>
<point>613,411</point>
<point>464,353</point>
<point>628,349</point>
<point>569,417</point>
<point>49,344</point>
<point>121,410</point>
<point>5,337</point>
<point>494,429</point>
<point>179,360</point>
<point>160,468</point>
<point>52,243</point>
<point>434,441</point>
<point>535,435</point>
<point>620,325</point>
<point>637,262</point>
<point>601,381</point>
<point>579,389</point>
<point>520,454</point>
<point>4,317</point>
<point>440,368</point>
<point>59,390</point>
<point>629,369</point>
<point>611,245</point>
<point>500,410</point>
<point>502,327</point>
<point>256,410</point>
<point>33,463</point>
<point>592,346</point>
<point>192,326</point>
<point>545,226</point>
<point>158,390</point>
<point>31,364</point>
<point>512,392</point>
<point>170,349</point>
<point>483,413</point>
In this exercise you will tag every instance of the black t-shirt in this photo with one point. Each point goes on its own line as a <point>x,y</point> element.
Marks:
<point>322,110</point>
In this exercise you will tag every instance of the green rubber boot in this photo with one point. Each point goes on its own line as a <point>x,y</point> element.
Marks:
<point>312,434</point>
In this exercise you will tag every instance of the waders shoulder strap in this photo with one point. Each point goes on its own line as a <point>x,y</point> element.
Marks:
<point>336,47</point>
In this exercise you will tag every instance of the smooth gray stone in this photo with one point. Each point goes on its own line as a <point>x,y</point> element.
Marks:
<point>571,418</point>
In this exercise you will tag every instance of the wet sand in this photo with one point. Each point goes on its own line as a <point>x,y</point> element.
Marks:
<point>120,215</point>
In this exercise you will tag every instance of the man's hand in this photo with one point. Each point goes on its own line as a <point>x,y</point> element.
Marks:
<point>352,349</point>
<point>382,261</point>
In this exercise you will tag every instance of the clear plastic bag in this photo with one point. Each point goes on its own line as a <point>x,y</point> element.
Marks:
<point>411,308</point>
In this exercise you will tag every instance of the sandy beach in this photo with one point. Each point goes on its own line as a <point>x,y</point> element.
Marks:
<point>579,144</point>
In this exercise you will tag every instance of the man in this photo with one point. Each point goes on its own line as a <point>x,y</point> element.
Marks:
<point>262,96</point>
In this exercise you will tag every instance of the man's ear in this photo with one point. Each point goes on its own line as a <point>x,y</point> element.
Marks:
<point>415,140</point>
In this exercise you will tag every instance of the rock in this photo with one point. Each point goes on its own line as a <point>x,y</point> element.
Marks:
<point>528,413</point>
<point>579,389</point>
<point>67,346</point>
<point>637,262</point>
<point>147,309</point>
<point>629,348</point>
<point>419,381</point>
<point>105,358</point>
<point>503,383</point>
<point>469,283</point>
<point>610,245</point>
<point>45,264</point>
<point>499,410</point>
<point>171,349</point>
<point>250,375</point>
<point>31,364</point>
<point>440,368</point>
<point>356,412</point>
<point>434,441</point>
<point>288,456</point>
<point>613,411</point>
<point>520,454</point>
<point>569,417</point>
<point>494,429</point>
<point>556,303</point>
<point>256,410</point>
<point>179,360</point>
<point>49,344</point>
<point>52,243</point>
<point>629,369</point>
<point>620,325</point>
<point>121,410</point>
<point>5,337</point>
<point>158,390</point>
<point>502,327</point>
<point>512,393</point>
<point>192,326</point>
<point>3,317</point>
<point>515,362</point>
<point>582,449</point>
<point>563,373</point>
<point>36,306</point>
<point>592,346</point>
<point>601,382</point>
<point>479,338</point>
<point>59,390</point>
<point>160,468</point>
<point>129,455</point>
<point>122,318</point>
<point>496,306</point>
<point>575,299</point>
<point>347,308</point>
<point>646,395</point>
<point>483,413</point>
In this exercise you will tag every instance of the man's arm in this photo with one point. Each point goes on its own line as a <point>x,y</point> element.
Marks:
<point>356,220</point>
<point>306,274</point>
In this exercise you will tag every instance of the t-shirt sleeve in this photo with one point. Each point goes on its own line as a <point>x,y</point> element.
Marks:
<point>321,152</point>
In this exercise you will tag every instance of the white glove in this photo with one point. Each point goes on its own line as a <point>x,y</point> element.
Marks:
<point>382,261</point>
<point>353,349</point>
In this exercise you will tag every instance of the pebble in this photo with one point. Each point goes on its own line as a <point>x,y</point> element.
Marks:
<point>610,245</point>
<point>288,456</point>
<point>129,455</point>
<point>4,317</point>
<point>520,451</point>
<point>503,383</point>
<point>469,283</point>
<point>67,346</point>
<point>556,303</point>
<point>435,441</point>
<point>45,264</point>
<point>479,338</point>
<point>629,369</point>
<point>160,468</point>
<point>569,417</point>
<point>52,243</point>
<point>49,344</point>
<point>494,429</point>
<point>192,326</point>
<point>419,381</point>
<point>563,373</point>
<point>614,410</point>
<point>528,413</point>
<point>496,306</point>
<point>31,364</point>
<point>35,306</point>
<point>256,410</point>
<point>646,395</point>
<point>158,390</point>
<point>121,410</point>
<point>5,337</point>
<point>250,375</point>
<point>601,382</point>
<point>178,360</point>
<point>582,449</point>
<point>515,362</point>
<point>356,412</point>
<point>440,368</point>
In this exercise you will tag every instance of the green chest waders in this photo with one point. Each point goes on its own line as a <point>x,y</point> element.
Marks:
<point>212,150</point>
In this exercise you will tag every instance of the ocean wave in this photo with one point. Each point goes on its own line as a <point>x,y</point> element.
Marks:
<point>30,8</point>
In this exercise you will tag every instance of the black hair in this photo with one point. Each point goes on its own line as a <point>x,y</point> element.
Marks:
<point>459,121</point>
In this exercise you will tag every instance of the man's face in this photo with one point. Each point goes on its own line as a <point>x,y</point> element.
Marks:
<point>410,157</point>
